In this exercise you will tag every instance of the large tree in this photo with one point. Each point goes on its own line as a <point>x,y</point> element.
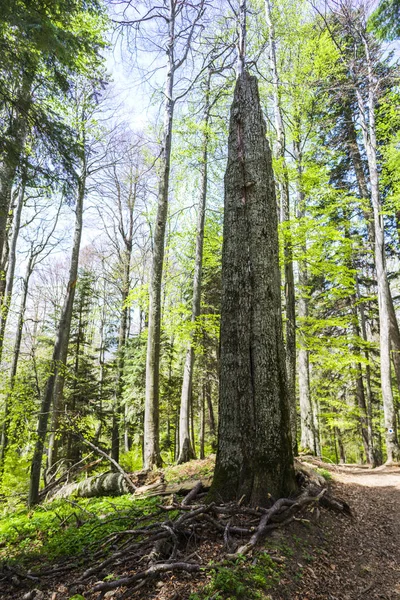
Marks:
<point>254,457</point>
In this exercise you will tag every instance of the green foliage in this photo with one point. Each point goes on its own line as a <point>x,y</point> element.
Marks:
<point>66,528</point>
<point>385,21</point>
<point>325,474</point>
<point>242,580</point>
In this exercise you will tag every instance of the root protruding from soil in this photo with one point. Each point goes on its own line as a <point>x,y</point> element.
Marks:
<point>156,546</point>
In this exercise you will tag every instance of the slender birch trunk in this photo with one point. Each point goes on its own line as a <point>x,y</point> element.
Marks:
<point>185,448</point>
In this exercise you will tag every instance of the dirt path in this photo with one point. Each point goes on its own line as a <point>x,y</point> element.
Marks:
<point>358,558</point>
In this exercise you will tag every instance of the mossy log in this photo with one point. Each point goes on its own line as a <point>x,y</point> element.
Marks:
<point>114,484</point>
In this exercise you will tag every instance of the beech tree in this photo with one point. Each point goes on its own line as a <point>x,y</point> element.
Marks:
<point>254,456</point>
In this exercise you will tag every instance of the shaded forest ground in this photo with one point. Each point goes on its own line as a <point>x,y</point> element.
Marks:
<point>320,555</point>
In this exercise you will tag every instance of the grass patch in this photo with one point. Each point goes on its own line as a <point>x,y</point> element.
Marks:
<point>67,528</point>
<point>327,475</point>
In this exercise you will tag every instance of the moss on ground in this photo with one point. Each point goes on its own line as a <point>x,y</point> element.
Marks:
<point>242,579</point>
<point>67,528</point>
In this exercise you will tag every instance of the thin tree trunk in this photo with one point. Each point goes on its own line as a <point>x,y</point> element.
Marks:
<point>210,409</point>
<point>342,454</point>
<point>10,158</point>
<point>117,413</point>
<point>368,386</point>
<point>202,397</point>
<point>285,218</point>
<point>152,456</point>
<point>369,136</point>
<point>309,440</point>
<point>369,219</point>
<point>59,348</point>
<point>254,457</point>
<point>5,309</point>
<point>14,366</point>
<point>185,448</point>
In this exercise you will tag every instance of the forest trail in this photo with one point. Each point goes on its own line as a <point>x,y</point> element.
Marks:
<point>358,557</point>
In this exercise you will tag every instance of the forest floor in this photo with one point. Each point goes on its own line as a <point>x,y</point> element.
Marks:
<point>350,558</point>
<point>321,555</point>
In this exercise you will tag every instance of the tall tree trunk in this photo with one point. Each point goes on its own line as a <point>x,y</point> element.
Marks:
<point>342,454</point>
<point>117,412</point>
<point>210,409</point>
<point>152,456</point>
<point>185,448</point>
<point>202,399</point>
<point>11,155</point>
<point>254,457</point>
<point>369,219</point>
<point>368,385</point>
<point>309,440</point>
<point>61,343</point>
<point>5,308</point>
<point>365,424</point>
<point>369,137</point>
<point>14,365</point>
<point>285,218</point>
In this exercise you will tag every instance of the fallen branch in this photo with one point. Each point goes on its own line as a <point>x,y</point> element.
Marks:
<point>107,586</point>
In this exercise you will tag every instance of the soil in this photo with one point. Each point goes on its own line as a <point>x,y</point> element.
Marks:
<point>351,558</point>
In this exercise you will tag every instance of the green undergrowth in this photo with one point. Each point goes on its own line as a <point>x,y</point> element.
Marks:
<point>242,579</point>
<point>67,528</point>
<point>327,475</point>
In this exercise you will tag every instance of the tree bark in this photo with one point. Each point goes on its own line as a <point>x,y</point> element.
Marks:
<point>290,298</point>
<point>369,219</point>
<point>185,447</point>
<point>11,155</point>
<point>59,348</point>
<point>14,365</point>
<point>202,420</point>
<point>152,456</point>
<point>369,137</point>
<point>309,440</point>
<point>254,457</point>
<point>5,308</point>
<point>116,420</point>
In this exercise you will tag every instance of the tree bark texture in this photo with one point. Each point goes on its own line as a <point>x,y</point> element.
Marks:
<point>152,456</point>
<point>254,457</point>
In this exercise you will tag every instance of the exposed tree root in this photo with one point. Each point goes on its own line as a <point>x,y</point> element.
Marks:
<point>155,546</point>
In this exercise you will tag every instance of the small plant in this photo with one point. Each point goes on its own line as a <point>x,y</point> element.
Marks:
<point>327,475</point>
